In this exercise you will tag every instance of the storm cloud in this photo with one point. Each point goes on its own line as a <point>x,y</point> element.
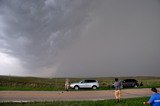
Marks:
<point>80,38</point>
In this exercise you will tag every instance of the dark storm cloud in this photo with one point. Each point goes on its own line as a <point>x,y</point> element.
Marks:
<point>123,40</point>
<point>84,38</point>
<point>35,31</point>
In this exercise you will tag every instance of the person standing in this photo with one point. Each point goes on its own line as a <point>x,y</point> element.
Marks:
<point>154,99</point>
<point>117,84</point>
<point>66,84</point>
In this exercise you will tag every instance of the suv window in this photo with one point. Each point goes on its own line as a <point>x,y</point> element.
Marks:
<point>90,81</point>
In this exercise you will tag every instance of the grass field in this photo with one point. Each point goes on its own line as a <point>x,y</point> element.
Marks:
<point>55,84</point>
<point>124,102</point>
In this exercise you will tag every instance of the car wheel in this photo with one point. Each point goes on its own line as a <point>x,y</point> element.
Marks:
<point>135,86</point>
<point>94,87</point>
<point>76,87</point>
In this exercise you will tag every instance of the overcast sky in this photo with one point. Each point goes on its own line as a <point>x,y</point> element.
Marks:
<point>80,38</point>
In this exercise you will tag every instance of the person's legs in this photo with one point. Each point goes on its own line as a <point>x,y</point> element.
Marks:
<point>117,95</point>
<point>66,88</point>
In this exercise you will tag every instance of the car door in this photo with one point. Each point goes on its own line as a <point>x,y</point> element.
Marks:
<point>130,83</point>
<point>126,83</point>
<point>89,83</point>
<point>82,84</point>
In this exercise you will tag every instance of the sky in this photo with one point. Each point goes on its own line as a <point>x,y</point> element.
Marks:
<point>80,38</point>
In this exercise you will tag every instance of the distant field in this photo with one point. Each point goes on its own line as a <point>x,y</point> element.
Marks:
<point>124,102</point>
<point>57,84</point>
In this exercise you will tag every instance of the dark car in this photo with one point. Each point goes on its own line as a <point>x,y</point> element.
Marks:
<point>130,83</point>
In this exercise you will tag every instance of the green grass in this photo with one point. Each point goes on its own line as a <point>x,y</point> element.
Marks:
<point>57,84</point>
<point>123,102</point>
<point>15,88</point>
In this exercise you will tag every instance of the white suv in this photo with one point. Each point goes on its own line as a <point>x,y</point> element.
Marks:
<point>85,84</point>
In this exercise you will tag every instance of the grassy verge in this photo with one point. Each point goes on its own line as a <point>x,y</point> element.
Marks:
<point>57,84</point>
<point>124,102</point>
<point>16,88</point>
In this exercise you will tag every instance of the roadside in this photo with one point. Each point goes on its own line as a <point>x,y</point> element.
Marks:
<point>31,96</point>
<point>11,83</point>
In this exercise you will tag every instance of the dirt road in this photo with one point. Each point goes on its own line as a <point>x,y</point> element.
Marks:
<point>30,96</point>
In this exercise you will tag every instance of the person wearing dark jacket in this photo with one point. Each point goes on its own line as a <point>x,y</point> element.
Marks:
<point>117,86</point>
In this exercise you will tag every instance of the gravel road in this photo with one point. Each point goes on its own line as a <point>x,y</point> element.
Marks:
<point>31,96</point>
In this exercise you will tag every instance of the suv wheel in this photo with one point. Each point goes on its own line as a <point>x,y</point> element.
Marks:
<point>76,87</point>
<point>135,86</point>
<point>94,87</point>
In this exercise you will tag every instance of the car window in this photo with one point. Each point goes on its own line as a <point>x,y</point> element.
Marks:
<point>90,81</point>
<point>82,81</point>
<point>130,80</point>
<point>86,81</point>
<point>126,80</point>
